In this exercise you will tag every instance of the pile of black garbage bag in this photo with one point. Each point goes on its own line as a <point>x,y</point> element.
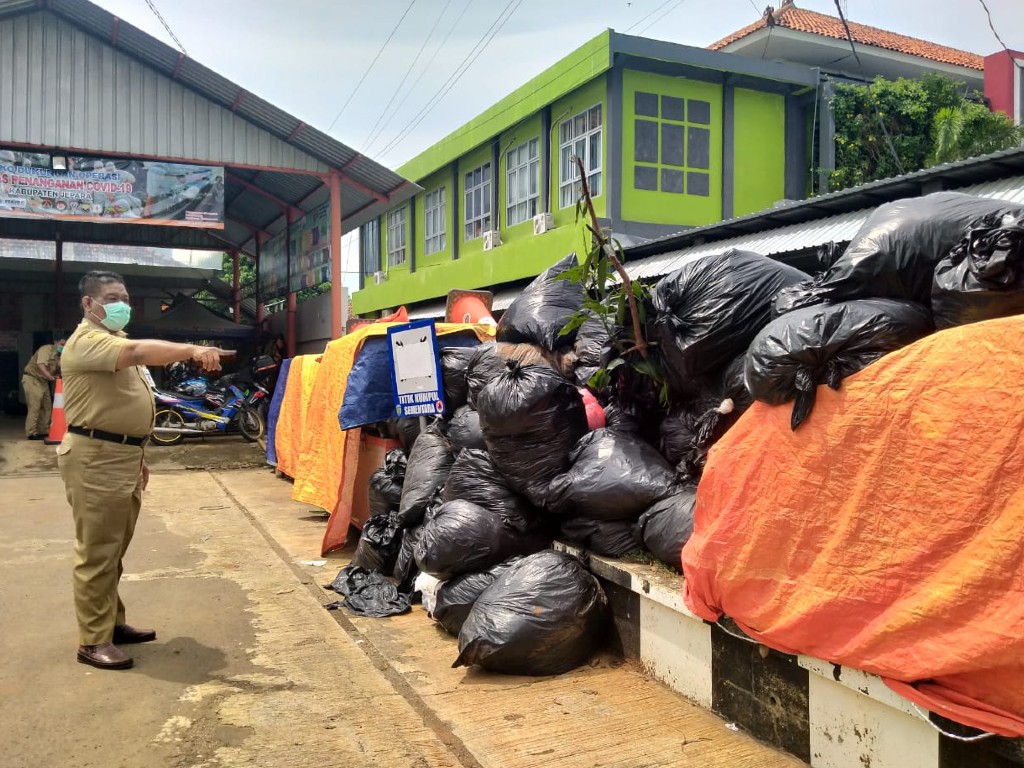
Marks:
<point>527,454</point>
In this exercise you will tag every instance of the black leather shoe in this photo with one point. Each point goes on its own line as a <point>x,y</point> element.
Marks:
<point>125,634</point>
<point>104,656</point>
<point>37,437</point>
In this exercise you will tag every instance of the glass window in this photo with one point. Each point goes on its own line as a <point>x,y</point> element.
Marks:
<point>369,246</point>
<point>522,190</point>
<point>670,150</point>
<point>646,149</point>
<point>645,177</point>
<point>580,135</point>
<point>698,112</point>
<point>698,184</point>
<point>646,104</point>
<point>672,144</point>
<point>478,201</point>
<point>672,108</point>
<point>434,217</point>
<point>698,148</point>
<point>396,237</point>
<point>671,181</point>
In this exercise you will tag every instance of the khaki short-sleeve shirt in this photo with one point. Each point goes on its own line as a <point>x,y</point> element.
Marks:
<point>47,355</point>
<point>96,394</point>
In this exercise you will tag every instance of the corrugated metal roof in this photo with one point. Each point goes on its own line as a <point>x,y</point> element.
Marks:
<point>121,91</point>
<point>800,237</point>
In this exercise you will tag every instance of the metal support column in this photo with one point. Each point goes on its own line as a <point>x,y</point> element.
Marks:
<point>58,280</point>
<point>337,290</point>
<point>292,297</point>
<point>236,291</point>
<point>259,290</point>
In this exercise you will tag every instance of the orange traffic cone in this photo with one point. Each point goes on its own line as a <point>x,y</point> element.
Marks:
<point>58,426</point>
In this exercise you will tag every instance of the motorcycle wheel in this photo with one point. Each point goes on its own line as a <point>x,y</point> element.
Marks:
<point>167,417</point>
<point>251,424</point>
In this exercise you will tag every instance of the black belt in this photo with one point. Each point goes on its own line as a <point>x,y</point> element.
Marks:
<point>113,437</point>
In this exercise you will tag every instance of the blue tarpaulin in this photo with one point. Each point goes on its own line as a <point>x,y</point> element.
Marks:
<point>275,411</point>
<point>368,396</point>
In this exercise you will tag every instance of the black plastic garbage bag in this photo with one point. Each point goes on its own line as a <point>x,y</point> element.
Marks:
<point>454,366</point>
<point>610,538</point>
<point>475,478</point>
<point>385,489</point>
<point>456,597</point>
<point>539,313</point>
<point>710,309</point>
<point>701,423</point>
<point>580,362</point>
<point>367,593</point>
<point>464,430</point>
<point>531,418</point>
<point>667,525</point>
<point>405,431</point>
<point>463,538</point>
<point>491,360</point>
<point>379,544</point>
<point>405,571</point>
<point>895,252</point>
<point>823,345</point>
<point>543,616</point>
<point>803,294</point>
<point>983,276</point>
<point>614,476</point>
<point>429,462</point>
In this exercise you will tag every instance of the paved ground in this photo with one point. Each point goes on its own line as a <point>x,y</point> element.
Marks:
<point>250,670</point>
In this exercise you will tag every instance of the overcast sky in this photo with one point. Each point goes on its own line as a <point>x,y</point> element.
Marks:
<point>307,56</point>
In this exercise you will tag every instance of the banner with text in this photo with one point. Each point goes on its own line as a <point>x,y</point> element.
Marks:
<point>110,191</point>
<point>311,255</point>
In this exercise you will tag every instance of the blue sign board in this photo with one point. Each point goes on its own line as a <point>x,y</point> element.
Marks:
<point>415,369</point>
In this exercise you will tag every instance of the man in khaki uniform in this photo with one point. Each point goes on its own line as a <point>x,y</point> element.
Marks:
<point>40,371</point>
<point>109,409</point>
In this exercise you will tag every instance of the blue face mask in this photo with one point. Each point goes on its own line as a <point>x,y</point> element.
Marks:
<point>118,314</point>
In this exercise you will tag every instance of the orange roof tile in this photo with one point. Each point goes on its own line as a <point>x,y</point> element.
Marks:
<point>813,23</point>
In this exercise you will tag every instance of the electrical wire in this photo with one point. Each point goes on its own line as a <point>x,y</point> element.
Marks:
<point>754,6</point>
<point>375,58</point>
<point>167,26</point>
<point>871,94</point>
<point>993,27</point>
<point>767,42</point>
<point>645,18</point>
<point>372,134</point>
<point>503,17</point>
<point>424,69</point>
<point>670,11</point>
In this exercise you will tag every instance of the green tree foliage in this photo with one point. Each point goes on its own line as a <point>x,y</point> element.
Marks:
<point>929,120</point>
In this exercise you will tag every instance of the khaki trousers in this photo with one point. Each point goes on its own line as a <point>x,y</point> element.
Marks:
<point>103,481</point>
<point>37,398</point>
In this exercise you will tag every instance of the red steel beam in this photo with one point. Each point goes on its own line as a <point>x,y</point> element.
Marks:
<point>177,66</point>
<point>238,99</point>
<point>115,31</point>
<point>364,189</point>
<point>282,204</point>
<point>337,293</point>
<point>297,130</point>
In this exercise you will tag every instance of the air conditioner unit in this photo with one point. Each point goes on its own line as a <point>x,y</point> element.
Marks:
<point>543,222</point>
<point>379,277</point>
<point>492,239</point>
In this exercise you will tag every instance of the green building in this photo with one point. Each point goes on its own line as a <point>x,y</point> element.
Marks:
<point>672,137</point>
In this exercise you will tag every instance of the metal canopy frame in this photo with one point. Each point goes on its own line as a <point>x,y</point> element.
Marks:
<point>261,199</point>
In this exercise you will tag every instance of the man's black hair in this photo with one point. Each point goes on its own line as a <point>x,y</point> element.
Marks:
<point>92,282</point>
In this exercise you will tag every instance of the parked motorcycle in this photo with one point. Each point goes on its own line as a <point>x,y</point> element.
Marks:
<point>190,406</point>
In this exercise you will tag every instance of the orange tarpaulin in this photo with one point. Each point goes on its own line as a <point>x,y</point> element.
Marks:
<point>294,407</point>
<point>887,532</point>
<point>327,466</point>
